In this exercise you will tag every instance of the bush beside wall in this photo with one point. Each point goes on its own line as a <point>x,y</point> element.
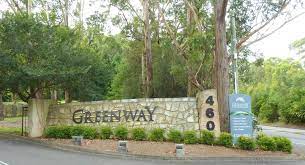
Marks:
<point>121,132</point>
<point>190,137</point>
<point>262,141</point>
<point>59,132</point>
<point>266,143</point>
<point>157,134</point>
<point>246,143</point>
<point>105,132</point>
<point>207,137</point>
<point>66,132</point>
<point>138,134</point>
<point>283,144</point>
<point>175,136</point>
<point>225,139</point>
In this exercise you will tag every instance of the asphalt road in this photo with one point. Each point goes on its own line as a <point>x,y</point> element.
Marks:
<point>297,136</point>
<point>14,152</point>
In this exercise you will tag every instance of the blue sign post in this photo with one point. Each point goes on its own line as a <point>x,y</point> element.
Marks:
<point>241,118</point>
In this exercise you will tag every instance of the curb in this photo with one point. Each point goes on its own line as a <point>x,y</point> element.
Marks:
<point>77,149</point>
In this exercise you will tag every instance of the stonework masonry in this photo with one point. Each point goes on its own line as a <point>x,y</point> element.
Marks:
<point>12,109</point>
<point>177,113</point>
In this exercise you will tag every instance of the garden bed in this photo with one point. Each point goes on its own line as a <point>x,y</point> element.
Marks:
<point>168,149</point>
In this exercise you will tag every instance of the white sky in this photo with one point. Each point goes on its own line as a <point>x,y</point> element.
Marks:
<point>277,45</point>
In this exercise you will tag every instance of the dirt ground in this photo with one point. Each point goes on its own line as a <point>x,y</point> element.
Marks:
<point>168,149</point>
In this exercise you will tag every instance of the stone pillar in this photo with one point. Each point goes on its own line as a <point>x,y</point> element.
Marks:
<point>37,116</point>
<point>208,111</point>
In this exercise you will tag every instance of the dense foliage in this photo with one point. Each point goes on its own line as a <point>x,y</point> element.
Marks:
<point>175,136</point>
<point>277,90</point>
<point>283,144</point>
<point>157,134</point>
<point>207,137</point>
<point>121,132</point>
<point>138,134</point>
<point>262,142</point>
<point>190,137</point>
<point>266,143</point>
<point>246,143</point>
<point>49,50</point>
<point>225,139</point>
<point>43,57</point>
<point>105,132</point>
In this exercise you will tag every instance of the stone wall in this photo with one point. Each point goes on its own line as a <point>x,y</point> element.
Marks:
<point>13,109</point>
<point>178,113</point>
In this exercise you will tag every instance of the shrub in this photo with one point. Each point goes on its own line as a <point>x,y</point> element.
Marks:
<point>121,132</point>
<point>157,134</point>
<point>50,132</point>
<point>138,134</point>
<point>266,143</point>
<point>283,144</point>
<point>60,132</point>
<point>105,132</point>
<point>190,137</point>
<point>260,135</point>
<point>207,137</point>
<point>175,136</point>
<point>246,143</point>
<point>90,132</point>
<point>87,131</point>
<point>225,139</point>
<point>77,131</point>
<point>269,111</point>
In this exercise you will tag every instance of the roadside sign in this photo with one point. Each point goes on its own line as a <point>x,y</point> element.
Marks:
<point>241,117</point>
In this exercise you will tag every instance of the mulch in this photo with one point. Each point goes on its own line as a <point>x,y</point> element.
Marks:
<point>168,149</point>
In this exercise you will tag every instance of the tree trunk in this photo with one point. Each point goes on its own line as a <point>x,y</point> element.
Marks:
<point>66,19</point>
<point>1,108</point>
<point>54,95</point>
<point>143,76</point>
<point>39,94</point>
<point>190,21</point>
<point>190,87</point>
<point>148,54</point>
<point>29,6</point>
<point>221,64</point>
<point>67,97</point>
<point>66,14</point>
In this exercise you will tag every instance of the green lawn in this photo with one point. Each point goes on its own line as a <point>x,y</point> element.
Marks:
<point>10,130</point>
<point>12,119</point>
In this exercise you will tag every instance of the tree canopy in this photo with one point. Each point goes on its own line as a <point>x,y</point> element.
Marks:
<point>50,49</point>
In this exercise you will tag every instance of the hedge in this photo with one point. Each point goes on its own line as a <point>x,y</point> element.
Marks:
<point>246,143</point>
<point>175,136</point>
<point>121,132</point>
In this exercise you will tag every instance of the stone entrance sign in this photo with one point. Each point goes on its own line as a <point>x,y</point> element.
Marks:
<point>208,111</point>
<point>85,116</point>
<point>188,113</point>
<point>178,113</point>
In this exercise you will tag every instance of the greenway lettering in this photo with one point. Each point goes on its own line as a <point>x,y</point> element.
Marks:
<point>84,116</point>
